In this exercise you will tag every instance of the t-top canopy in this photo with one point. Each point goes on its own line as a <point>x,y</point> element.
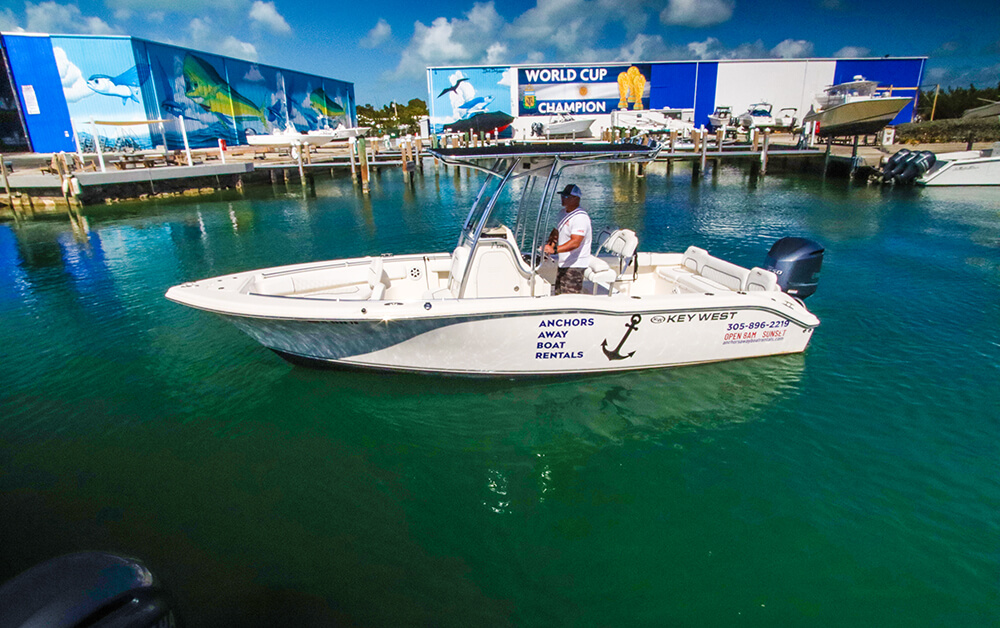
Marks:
<point>596,151</point>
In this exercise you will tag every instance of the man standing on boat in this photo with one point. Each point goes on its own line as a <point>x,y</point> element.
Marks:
<point>573,243</point>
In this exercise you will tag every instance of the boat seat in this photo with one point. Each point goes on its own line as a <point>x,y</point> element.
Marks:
<point>761,280</point>
<point>701,272</point>
<point>599,273</point>
<point>621,243</point>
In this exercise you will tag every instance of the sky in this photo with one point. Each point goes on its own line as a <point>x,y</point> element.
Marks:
<point>385,47</point>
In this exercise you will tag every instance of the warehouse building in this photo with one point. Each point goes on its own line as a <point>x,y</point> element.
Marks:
<point>58,91</point>
<point>520,96</point>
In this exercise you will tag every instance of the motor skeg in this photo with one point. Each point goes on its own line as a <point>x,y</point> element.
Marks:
<point>796,262</point>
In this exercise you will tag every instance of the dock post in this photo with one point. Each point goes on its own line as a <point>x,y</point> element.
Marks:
<point>300,146</point>
<point>352,145</point>
<point>754,140</point>
<point>187,147</point>
<point>404,155</point>
<point>763,153</point>
<point>222,150</point>
<point>673,140</point>
<point>363,156</point>
<point>720,137</point>
<point>704,147</point>
<point>6,187</point>
<point>854,157</point>
<point>97,144</point>
<point>826,158</point>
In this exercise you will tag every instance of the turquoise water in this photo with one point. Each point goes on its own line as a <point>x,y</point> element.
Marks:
<point>855,484</point>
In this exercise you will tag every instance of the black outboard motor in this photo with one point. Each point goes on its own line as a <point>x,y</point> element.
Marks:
<point>889,168</point>
<point>917,165</point>
<point>796,262</point>
<point>537,129</point>
<point>92,589</point>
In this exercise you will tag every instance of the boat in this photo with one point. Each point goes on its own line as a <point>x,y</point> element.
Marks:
<point>856,107</point>
<point>654,120</point>
<point>969,167</point>
<point>786,118</point>
<point>721,117</point>
<point>757,116</point>
<point>561,125</point>
<point>289,137</point>
<point>487,308</point>
<point>341,132</point>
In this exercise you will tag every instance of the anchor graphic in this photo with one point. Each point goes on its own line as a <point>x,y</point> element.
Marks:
<point>630,327</point>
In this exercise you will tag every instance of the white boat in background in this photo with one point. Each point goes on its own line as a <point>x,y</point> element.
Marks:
<point>786,118</point>
<point>288,137</point>
<point>757,116</point>
<point>655,120</point>
<point>969,167</point>
<point>342,132</point>
<point>722,116</point>
<point>487,308</point>
<point>564,124</point>
<point>857,107</point>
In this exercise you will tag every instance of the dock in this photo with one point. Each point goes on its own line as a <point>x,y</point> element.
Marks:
<point>36,183</point>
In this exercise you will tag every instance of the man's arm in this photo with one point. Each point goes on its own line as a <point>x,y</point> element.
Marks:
<point>569,245</point>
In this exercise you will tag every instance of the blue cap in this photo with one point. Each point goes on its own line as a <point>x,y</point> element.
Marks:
<point>570,190</point>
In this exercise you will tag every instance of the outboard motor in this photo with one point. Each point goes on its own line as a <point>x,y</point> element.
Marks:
<point>917,165</point>
<point>92,589</point>
<point>796,262</point>
<point>892,162</point>
<point>537,129</point>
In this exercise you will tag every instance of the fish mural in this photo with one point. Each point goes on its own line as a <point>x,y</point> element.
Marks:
<point>211,92</point>
<point>485,122</point>
<point>125,86</point>
<point>325,105</point>
<point>175,109</point>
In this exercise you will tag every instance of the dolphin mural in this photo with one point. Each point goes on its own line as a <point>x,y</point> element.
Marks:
<point>211,92</point>
<point>325,105</point>
<point>125,85</point>
<point>483,122</point>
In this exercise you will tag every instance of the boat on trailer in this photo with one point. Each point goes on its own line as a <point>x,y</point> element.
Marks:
<point>488,308</point>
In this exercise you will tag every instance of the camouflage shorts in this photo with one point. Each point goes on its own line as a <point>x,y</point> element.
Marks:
<point>569,281</point>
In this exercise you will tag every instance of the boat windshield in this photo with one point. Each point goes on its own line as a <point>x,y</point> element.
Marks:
<point>482,209</point>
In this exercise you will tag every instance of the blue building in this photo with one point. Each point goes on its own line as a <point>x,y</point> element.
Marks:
<point>54,88</point>
<point>520,95</point>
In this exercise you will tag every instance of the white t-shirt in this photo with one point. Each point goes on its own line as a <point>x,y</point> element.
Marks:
<point>574,223</point>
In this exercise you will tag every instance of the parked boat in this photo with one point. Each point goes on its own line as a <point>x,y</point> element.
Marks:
<point>342,132</point>
<point>757,116</point>
<point>288,137</point>
<point>970,167</point>
<point>487,308</point>
<point>654,120</point>
<point>562,125</point>
<point>722,116</point>
<point>855,108</point>
<point>786,118</point>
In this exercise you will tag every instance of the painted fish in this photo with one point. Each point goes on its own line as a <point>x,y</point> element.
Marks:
<point>325,105</point>
<point>485,122</point>
<point>124,86</point>
<point>175,109</point>
<point>203,85</point>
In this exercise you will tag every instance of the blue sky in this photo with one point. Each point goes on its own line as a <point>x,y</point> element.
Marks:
<point>384,47</point>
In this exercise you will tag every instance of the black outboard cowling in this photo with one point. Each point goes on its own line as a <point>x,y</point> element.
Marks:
<point>93,589</point>
<point>796,262</point>
<point>889,168</point>
<point>916,165</point>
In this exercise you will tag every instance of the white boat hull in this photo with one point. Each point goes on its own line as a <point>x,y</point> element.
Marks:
<point>289,139</point>
<point>506,336</point>
<point>860,117</point>
<point>975,171</point>
<point>576,127</point>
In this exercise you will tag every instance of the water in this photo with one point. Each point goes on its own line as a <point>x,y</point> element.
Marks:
<point>855,484</point>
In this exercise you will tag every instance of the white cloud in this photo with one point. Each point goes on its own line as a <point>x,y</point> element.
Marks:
<point>496,53</point>
<point>460,40</point>
<point>52,17</point>
<point>793,49</point>
<point>143,7</point>
<point>378,35</point>
<point>205,36</point>
<point>852,52</point>
<point>8,21</point>
<point>265,15</point>
<point>74,86</point>
<point>697,13</point>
